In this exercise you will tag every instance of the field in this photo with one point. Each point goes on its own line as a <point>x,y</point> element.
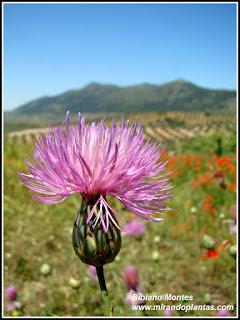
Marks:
<point>191,252</point>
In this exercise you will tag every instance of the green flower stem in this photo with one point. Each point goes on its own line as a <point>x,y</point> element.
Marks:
<point>105,297</point>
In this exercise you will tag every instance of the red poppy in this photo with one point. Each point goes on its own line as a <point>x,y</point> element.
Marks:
<point>210,254</point>
<point>224,160</point>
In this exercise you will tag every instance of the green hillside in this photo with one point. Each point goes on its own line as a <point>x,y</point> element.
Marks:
<point>101,98</point>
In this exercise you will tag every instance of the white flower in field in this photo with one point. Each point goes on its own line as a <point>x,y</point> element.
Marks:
<point>155,256</point>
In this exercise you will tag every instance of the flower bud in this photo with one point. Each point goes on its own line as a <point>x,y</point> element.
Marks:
<point>91,243</point>
<point>155,256</point>
<point>45,269</point>
<point>208,242</point>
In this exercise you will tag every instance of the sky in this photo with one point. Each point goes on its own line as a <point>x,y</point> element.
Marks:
<point>52,48</point>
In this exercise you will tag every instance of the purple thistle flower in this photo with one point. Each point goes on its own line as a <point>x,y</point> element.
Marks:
<point>11,293</point>
<point>134,228</point>
<point>130,277</point>
<point>96,161</point>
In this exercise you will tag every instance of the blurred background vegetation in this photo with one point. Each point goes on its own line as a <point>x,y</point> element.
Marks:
<point>191,252</point>
<point>131,57</point>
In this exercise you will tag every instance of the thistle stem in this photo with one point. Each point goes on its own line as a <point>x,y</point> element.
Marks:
<point>104,293</point>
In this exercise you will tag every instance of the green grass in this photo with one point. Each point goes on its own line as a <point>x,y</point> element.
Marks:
<point>35,234</point>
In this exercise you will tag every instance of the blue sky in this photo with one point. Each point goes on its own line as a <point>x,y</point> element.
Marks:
<point>51,48</point>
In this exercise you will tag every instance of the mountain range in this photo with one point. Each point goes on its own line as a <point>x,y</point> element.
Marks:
<point>104,98</point>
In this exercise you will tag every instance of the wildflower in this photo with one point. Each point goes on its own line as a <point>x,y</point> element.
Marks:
<point>96,161</point>
<point>208,206</point>
<point>231,167</point>
<point>134,228</point>
<point>223,161</point>
<point>187,160</point>
<point>198,160</point>
<point>231,186</point>
<point>131,277</point>
<point>155,256</point>
<point>204,179</point>
<point>11,293</point>
<point>210,254</point>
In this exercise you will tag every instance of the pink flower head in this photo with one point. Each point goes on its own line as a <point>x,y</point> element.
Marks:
<point>130,277</point>
<point>134,228</point>
<point>96,161</point>
<point>92,272</point>
<point>223,313</point>
<point>11,293</point>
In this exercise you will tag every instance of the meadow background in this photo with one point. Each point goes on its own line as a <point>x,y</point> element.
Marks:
<point>171,256</point>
